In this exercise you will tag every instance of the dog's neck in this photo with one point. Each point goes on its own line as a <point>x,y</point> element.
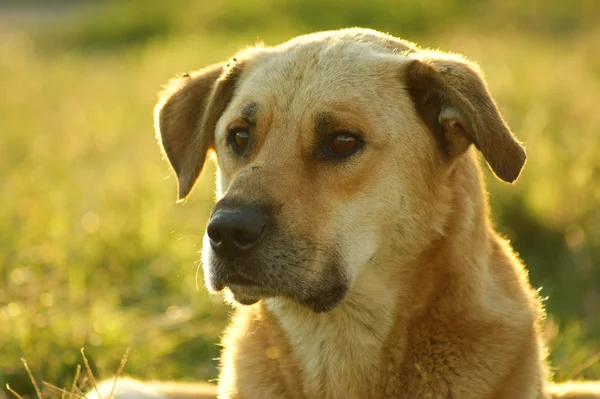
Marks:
<point>344,346</point>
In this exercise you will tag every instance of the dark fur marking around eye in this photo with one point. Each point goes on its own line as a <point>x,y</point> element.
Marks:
<point>322,124</point>
<point>249,113</point>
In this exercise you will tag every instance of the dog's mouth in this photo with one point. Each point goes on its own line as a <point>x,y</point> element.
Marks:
<point>323,302</point>
<point>291,272</point>
<point>227,280</point>
<point>246,290</point>
<point>240,280</point>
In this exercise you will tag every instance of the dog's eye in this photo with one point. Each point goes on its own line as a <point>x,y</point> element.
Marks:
<point>343,144</point>
<point>239,139</point>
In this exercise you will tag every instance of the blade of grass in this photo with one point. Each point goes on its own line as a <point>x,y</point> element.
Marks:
<point>9,389</point>
<point>35,385</point>
<point>86,363</point>
<point>118,374</point>
<point>75,381</point>
<point>588,363</point>
<point>51,387</point>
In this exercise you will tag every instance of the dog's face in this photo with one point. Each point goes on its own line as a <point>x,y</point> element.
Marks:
<point>333,150</point>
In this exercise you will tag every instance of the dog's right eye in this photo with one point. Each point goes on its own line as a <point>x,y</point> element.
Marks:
<point>239,139</point>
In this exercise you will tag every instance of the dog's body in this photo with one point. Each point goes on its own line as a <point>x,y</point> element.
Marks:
<point>353,223</point>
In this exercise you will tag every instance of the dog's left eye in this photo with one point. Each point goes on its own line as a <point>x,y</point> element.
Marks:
<point>343,144</point>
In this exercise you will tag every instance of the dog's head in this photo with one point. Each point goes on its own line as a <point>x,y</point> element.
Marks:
<point>333,150</point>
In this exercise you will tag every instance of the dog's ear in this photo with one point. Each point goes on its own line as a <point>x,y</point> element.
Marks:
<point>186,115</point>
<point>452,99</point>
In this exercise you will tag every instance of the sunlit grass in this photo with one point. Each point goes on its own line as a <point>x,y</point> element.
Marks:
<point>77,386</point>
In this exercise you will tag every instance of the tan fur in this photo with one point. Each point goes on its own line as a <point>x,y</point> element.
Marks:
<point>431,302</point>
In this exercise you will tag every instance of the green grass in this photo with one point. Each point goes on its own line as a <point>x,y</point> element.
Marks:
<point>94,251</point>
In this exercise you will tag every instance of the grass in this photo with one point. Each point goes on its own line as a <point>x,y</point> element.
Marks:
<point>76,392</point>
<point>94,251</point>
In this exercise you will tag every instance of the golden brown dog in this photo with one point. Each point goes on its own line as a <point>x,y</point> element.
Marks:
<point>353,224</point>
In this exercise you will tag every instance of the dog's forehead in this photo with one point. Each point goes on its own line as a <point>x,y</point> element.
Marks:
<point>329,68</point>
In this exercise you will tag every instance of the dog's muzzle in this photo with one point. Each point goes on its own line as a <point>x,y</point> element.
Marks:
<point>246,251</point>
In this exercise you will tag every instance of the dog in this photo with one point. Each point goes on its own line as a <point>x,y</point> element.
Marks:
<point>352,228</point>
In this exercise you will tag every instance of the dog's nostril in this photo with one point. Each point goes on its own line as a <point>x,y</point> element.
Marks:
<point>244,238</point>
<point>214,234</point>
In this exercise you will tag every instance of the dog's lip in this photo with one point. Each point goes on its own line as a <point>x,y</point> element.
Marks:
<point>248,294</point>
<point>239,279</point>
<point>236,280</point>
<point>254,290</point>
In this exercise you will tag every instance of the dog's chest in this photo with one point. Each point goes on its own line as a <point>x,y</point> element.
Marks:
<point>339,354</point>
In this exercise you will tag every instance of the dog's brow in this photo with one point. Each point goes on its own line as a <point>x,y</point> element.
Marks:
<point>323,123</point>
<point>248,112</point>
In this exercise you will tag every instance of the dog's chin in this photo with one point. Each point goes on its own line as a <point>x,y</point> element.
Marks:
<point>323,302</point>
<point>246,295</point>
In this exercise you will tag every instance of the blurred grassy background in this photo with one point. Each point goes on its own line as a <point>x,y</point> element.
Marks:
<point>94,251</point>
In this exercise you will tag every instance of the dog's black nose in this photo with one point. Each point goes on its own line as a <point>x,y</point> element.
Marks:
<point>234,232</point>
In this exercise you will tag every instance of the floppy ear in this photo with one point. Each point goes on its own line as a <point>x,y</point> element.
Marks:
<point>452,99</point>
<point>186,115</point>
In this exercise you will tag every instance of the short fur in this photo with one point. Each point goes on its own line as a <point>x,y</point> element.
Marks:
<point>383,277</point>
